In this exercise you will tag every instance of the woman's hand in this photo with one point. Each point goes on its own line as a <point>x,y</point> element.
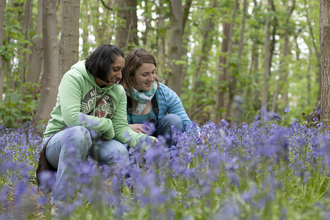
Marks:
<point>138,128</point>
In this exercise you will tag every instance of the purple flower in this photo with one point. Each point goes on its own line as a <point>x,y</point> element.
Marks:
<point>42,200</point>
<point>229,211</point>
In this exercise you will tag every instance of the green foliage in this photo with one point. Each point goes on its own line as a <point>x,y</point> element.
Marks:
<point>14,33</point>
<point>98,25</point>
<point>17,109</point>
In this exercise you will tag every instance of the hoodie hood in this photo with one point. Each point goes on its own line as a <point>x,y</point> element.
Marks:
<point>80,67</point>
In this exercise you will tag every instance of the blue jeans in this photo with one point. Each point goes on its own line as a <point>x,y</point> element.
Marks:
<point>75,144</point>
<point>165,124</point>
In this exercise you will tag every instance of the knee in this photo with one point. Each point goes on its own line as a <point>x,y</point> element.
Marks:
<point>115,154</point>
<point>122,150</point>
<point>173,120</point>
<point>79,137</point>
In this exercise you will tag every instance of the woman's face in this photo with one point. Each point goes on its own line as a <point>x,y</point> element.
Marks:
<point>114,74</point>
<point>145,76</point>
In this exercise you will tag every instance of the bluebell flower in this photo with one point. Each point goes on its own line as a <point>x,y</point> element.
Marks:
<point>229,211</point>
<point>42,200</point>
<point>283,214</point>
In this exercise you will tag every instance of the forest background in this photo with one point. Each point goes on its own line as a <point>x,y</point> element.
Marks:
<point>226,59</point>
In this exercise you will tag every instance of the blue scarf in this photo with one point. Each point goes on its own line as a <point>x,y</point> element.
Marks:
<point>142,97</point>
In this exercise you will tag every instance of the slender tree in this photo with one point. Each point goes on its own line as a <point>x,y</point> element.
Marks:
<point>273,25</point>
<point>311,32</point>
<point>266,60</point>
<point>2,34</point>
<point>282,74</point>
<point>99,16</point>
<point>147,20</point>
<point>34,70</point>
<point>69,43</point>
<point>249,93</point>
<point>160,38</point>
<point>185,14</point>
<point>84,22</point>
<point>27,27</point>
<point>222,71</point>
<point>325,59</point>
<point>127,34</point>
<point>185,38</point>
<point>51,63</point>
<point>175,46</point>
<point>233,79</point>
<point>207,42</point>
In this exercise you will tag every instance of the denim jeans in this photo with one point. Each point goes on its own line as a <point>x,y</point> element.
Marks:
<point>75,144</point>
<point>165,124</point>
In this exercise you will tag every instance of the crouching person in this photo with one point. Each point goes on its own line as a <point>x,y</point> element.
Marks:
<point>148,100</point>
<point>90,90</point>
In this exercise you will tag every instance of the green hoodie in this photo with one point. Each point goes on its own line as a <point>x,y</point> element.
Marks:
<point>76,97</point>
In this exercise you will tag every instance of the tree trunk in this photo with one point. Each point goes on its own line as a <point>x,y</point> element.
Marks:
<point>186,9</point>
<point>325,59</point>
<point>233,78</point>
<point>51,63</point>
<point>266,62</point>
<point>222,71</point>
<point>273,41</point>
<point>315,48</point>
<point>315,114</point>
<point>34,71</point>
<point>147,23</point>
<point>94,16</point>
<point>174,47</point>
<point>283,73</point>
<point>256,70</point>
<point>27,27</point>
<point>127,35</point>
<point>69,43</point>
<point>160,38</point>
<point>185,38</point>
<point>205,50</point>
<point>308,102</point>
<point>311,68</point>
<point>10,80</point>
<point>2,34</point>
<point>253,70</point>
<point>85,31</point>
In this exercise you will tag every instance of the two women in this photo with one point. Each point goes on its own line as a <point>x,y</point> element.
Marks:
<point>90,116</point>
<point>150,100</point>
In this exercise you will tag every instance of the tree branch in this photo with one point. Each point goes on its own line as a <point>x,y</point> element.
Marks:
<point>192,113</point>
<point>107,7</point>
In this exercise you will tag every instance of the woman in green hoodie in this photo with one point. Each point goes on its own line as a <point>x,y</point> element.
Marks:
<point>90,116</point>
